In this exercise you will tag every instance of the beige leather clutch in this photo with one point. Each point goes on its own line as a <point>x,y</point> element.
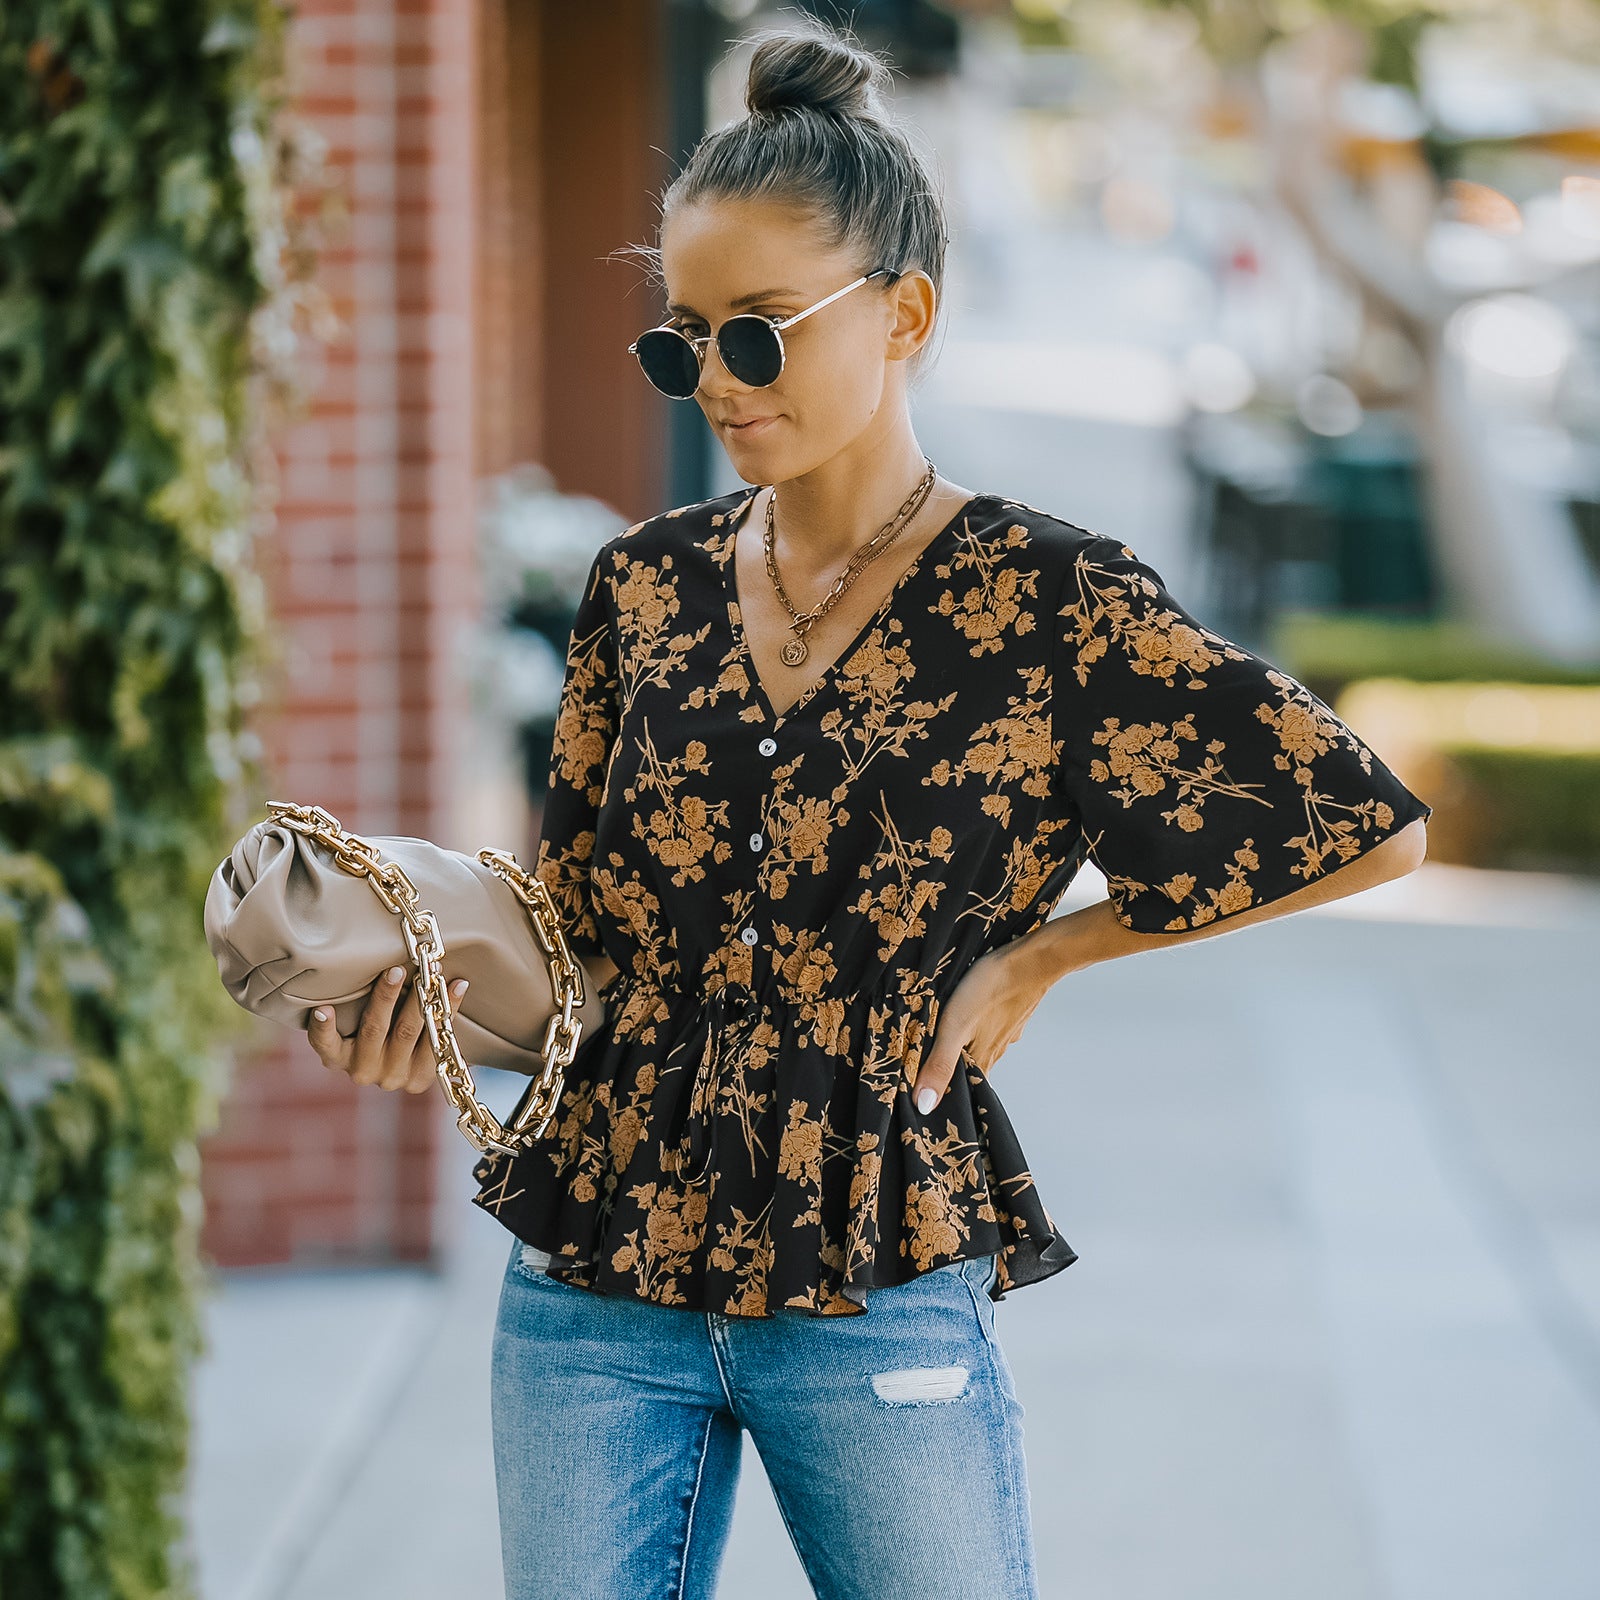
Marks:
<point>292,928</point>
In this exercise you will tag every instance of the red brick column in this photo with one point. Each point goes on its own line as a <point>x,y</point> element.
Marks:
<point>372,575</point>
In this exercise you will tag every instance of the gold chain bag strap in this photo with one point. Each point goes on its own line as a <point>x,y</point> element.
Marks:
<point>362,859</point>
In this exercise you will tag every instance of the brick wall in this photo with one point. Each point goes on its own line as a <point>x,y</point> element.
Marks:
<point>492,154</point>
<point>371,573</point>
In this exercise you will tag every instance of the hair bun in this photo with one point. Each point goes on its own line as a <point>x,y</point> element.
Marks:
<point>800,68</point>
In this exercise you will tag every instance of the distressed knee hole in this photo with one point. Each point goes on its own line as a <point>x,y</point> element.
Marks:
<point>909,1386</point>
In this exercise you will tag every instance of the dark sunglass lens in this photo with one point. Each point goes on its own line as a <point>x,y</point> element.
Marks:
<point>668,361</point>
<point>751,350</point>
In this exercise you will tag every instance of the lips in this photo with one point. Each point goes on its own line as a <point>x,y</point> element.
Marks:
<point>753,425</point>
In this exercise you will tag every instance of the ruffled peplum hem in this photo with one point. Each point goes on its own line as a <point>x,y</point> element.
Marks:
<point>747,1153</point>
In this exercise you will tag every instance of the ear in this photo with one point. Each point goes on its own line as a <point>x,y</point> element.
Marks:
<point>915,302</point>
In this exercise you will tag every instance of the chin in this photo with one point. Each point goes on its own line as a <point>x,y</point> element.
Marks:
<point>755,465</point>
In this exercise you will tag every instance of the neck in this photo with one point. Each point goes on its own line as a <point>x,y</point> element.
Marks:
<point>824,517</point>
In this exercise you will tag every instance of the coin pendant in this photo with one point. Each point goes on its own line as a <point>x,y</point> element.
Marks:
<point>794,652</point>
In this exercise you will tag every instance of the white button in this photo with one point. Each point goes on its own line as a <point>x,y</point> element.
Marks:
<point>749,935</point>
<point>755,841</point>
<point>768,747</point>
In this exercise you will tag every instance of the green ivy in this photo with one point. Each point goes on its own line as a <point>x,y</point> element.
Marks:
<point>141,241</point>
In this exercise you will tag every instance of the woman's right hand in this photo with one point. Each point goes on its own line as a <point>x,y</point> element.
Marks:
<point>390,1051</point>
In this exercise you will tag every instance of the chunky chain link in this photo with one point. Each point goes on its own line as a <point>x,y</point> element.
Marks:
<point>483,1130</point>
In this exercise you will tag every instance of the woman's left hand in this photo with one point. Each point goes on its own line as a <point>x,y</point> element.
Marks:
<point>984,1015</point>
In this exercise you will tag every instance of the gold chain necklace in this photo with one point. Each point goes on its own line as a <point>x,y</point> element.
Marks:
<point>795,650</point>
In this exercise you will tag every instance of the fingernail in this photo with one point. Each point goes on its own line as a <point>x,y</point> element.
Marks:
<point>927,1099</point>
<point>320,1015</point>
<point>395,974</point>
<point>459,988</point>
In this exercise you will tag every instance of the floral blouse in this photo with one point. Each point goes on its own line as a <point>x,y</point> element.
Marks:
<point>791,899</point>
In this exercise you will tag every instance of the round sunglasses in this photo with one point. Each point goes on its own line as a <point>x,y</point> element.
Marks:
<point>751,347</point>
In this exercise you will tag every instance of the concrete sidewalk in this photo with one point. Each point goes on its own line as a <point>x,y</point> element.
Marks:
<point>1334,1332</point>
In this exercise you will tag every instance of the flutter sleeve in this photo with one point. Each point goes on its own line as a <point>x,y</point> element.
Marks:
<point>1207,780</point>
<point>586,730</point>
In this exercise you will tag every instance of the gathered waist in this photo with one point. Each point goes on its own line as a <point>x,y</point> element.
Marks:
<point>771,994</point>
<point>732,995</point>
<point>712,1029</point>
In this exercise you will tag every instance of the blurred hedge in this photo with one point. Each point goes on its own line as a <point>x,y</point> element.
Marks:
<point>1516,800</point>
<point>1527,808</point>
<point>1328,651</point>
<point>138,235</point>
<point>1511,769</point>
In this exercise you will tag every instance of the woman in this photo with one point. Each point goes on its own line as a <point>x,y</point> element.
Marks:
<point>828,753</point>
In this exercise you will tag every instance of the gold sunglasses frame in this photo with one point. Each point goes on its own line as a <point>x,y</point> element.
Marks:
<point>698,342</point>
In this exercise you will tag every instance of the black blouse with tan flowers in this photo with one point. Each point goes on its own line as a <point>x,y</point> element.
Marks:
<point>790,899</point>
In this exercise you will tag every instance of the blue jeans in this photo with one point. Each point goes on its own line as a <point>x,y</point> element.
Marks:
<point>893,1442</point>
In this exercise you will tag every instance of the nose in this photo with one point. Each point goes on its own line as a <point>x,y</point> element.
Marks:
<point>711,362</point>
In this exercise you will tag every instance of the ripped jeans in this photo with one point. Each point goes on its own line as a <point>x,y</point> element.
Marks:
<point>892,1441</point>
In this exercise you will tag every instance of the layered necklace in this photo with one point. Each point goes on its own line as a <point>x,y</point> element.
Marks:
<point>795,650</point>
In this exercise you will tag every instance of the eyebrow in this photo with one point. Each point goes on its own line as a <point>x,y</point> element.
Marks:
<point>743,300</point>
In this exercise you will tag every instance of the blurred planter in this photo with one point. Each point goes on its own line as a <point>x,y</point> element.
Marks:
<point>1288,518</point>
<point>1511,769</point>
<point>1368,486</point>
<point>536,546</point>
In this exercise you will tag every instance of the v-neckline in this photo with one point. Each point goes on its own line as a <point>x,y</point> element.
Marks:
<point>777,718</point>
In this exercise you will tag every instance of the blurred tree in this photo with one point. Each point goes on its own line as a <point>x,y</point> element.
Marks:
<point>1333,96</point>
<point>921,38</point>
<point>1239,33</point>
<point>144,235</point>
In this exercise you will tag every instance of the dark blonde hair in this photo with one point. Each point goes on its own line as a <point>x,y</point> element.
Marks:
<point>819,137</point>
